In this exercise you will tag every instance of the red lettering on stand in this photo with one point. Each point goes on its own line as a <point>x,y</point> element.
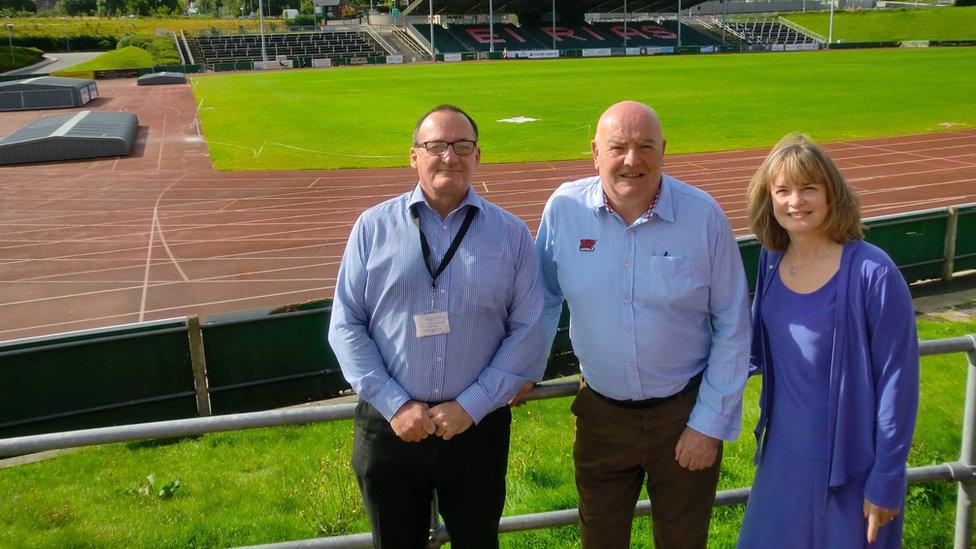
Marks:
<point>559,33</point>
<point>482,35</point>
<point>514,35</point>
<point>631,32</point>
<point>659,32</point>
<point>589,30</point>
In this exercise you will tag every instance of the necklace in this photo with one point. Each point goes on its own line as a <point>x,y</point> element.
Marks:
<point>792,269</point>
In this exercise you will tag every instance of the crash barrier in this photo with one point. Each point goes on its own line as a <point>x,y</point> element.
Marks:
<point>259,359</point>
<point>963,471</point>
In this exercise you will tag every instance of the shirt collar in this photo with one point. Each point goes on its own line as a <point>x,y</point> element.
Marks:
<point>470,199</point>
<point>662,205</point>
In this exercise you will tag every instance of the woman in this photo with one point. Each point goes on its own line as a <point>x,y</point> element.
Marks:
<point>834,338</point>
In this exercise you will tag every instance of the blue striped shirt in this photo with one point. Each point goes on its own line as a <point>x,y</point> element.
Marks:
<point>490,290</point>
<point>654,303</point>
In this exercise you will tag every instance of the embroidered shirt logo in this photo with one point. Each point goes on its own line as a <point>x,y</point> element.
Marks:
<point>587,244</point>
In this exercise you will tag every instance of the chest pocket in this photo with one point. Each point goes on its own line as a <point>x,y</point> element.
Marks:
<point>489,276</point>
<point>670,282</point>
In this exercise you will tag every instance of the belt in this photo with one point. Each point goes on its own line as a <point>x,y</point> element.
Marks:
<point>692,385</point>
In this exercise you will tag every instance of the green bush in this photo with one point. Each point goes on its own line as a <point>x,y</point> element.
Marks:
<point>137,40</point>
<point>163,51</point>
<point>75,42</point>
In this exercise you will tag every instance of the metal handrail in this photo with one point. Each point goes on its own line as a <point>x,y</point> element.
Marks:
<point>962,471</point>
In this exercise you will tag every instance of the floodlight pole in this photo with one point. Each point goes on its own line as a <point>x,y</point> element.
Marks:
<point>264,52</point>
<point>625,24</point>
<point>10,42</point>
<point>430,8</point>
<point>491,26</point>
<point>553,24</point>
<point>679,23</point>
<point>830,28</point>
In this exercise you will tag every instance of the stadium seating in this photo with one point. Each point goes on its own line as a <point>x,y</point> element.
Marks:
<point>475,37</point>
<point>768,32</point>
<point>247,47</point>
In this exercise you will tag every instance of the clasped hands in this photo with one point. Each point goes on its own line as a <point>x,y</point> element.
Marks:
<point>415,421</point>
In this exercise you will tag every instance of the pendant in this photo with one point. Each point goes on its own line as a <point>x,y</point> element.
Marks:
<point>791,269</point>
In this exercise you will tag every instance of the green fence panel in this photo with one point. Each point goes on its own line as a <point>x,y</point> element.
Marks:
<point>916,242</point>
<point>495,54</point>
<point>965,256</point>
<point>243,65</point>
<point>341,61</point>
<point>730,48</point>
<point>268,358</point>
<point>127,374</point>
<point>687,49</point>
<point>861,45</point>
<point>221,67</point>
<point>749,249</point>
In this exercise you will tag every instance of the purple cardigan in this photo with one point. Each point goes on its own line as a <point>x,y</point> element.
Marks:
<point>873,372</point>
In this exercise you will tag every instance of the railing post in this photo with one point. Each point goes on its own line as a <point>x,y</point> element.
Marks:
<point>952,224</point>
<point>967,457</point>
<point>198,360</point>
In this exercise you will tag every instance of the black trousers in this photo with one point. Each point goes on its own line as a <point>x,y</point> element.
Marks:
<point>398,480</point>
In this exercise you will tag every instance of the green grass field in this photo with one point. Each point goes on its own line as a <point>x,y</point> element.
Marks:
<point>360,117</point>
<point>292,483</point>
<point>22,57</point>
<point>129,57</point>
<point>948,23</point>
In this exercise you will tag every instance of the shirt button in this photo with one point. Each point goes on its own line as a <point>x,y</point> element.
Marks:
<point>635,397</point>
<point>436,391</point>
<point>443,291</point>
<point>626,335</point>
<point>626,300</point>
<point>632,368</point>
<point>626,264</point>
<point>439,359</point>
<point>444,227</point>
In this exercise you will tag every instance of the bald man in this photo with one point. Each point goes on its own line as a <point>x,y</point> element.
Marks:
<point>659,320</point>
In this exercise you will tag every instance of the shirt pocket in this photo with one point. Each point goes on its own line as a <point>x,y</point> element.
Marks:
<point>671,282</point>
<point>488,278</point>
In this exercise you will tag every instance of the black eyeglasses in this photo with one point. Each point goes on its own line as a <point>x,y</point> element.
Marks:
<point>462,147</point>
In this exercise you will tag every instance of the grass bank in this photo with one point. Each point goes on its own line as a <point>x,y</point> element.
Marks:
<point>948,23</point>
<point>292,483</point>
<point>361,117</point>
<point>21,57</point>
<point>129,57</point>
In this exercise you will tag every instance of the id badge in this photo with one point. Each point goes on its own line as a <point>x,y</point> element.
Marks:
<point>431,324</point>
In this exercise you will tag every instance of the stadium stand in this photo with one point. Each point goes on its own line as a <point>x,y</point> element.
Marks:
<point>247,47</point>
<point>477,37</point>
<point>767,33</point>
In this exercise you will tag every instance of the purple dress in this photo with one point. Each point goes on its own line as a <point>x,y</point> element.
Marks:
<point>786,507</point>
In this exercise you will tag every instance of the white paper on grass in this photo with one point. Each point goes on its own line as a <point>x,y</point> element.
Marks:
<point>518,120</point>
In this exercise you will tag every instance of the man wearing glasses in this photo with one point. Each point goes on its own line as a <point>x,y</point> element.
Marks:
<point>436,323</point>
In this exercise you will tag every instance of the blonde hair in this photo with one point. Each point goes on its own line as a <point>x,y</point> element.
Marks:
<point>801,160</point>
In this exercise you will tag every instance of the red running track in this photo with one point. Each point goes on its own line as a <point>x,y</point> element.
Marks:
<point>161,234</point>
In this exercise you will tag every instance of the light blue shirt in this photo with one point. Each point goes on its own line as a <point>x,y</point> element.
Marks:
<point>651,304</point>
<point>490,289</point>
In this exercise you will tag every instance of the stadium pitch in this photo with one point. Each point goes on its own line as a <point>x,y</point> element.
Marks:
<point>360,117</point>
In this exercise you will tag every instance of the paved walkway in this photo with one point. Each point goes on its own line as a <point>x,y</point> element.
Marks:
<point>61,61</point>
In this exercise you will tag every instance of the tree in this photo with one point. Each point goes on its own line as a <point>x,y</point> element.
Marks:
<point>110,8</point>
<point>76,7</point>
<point>13,6</point>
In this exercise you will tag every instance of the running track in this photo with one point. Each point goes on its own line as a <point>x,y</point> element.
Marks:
<point>160,234</point>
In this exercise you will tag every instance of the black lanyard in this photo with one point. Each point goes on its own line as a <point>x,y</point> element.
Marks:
<point>425,246</point>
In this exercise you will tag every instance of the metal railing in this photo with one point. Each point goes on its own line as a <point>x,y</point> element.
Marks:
<point>962,471</point>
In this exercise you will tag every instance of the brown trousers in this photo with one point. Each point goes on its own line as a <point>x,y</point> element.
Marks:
<point>615,447</point>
